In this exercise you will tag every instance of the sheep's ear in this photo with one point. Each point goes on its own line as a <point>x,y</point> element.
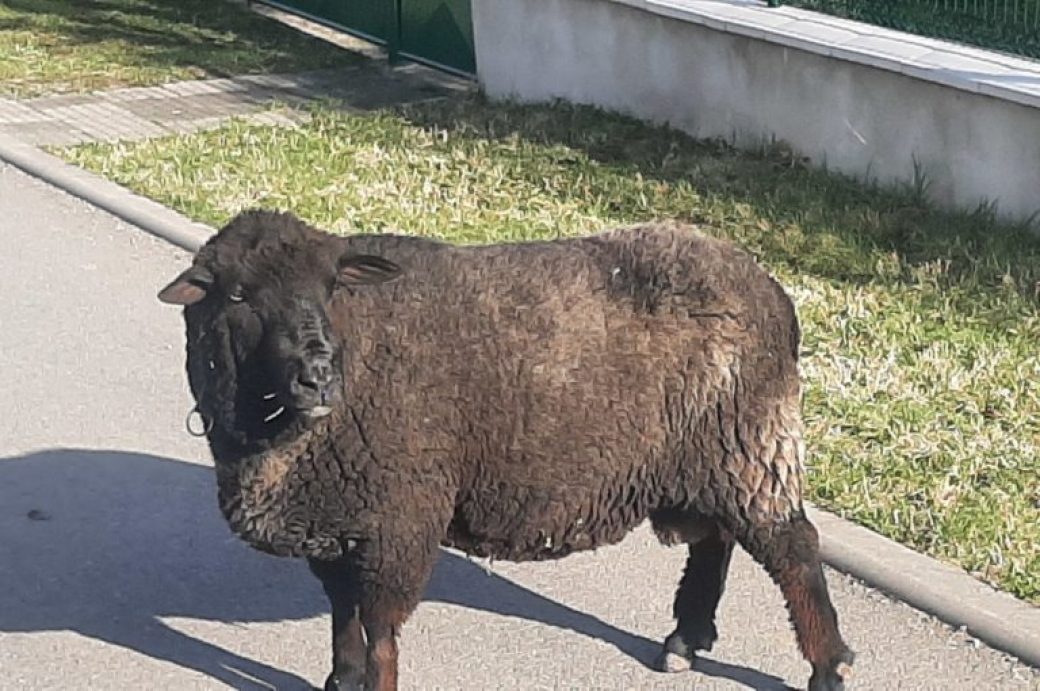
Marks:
<point>365,269</point>
<point>188,288</point>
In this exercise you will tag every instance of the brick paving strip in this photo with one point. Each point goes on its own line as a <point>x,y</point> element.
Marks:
<point>183,107</point>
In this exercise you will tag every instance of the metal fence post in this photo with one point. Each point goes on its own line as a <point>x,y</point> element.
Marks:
<point>393,40</point>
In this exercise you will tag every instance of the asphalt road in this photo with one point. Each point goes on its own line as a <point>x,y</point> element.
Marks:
<point>117,572</point>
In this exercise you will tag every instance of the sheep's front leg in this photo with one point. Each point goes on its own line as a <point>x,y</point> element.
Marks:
<point>696,600</point>
<point>381,667</point>
<point>395,571</point>
<point>349,652</point>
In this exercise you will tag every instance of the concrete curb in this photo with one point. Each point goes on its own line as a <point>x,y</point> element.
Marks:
<point>115,199</point>
<point>948,593</point>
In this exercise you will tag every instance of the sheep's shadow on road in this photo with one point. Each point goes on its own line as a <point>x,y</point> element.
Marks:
<point>107,544</point>
<point>492,593</point>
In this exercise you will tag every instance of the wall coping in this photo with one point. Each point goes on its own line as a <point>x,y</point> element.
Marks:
<point>975,70</point>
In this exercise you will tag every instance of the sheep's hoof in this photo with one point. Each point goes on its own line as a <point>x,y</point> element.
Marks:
<point>678,655</point>
<point>833,678</point>
<point>337,682</point>
<point>671,662</point>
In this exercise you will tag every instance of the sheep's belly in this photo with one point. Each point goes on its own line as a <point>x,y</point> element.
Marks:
<point>532,536</point>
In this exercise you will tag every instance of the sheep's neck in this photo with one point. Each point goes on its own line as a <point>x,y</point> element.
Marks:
<point>255,490</point>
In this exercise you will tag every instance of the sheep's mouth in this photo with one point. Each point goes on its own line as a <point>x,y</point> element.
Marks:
<point>310,407</point>
<point>311,412</point>
<point>315,412</point>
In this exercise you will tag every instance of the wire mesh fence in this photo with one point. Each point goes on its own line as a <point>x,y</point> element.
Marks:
<point>1009,26</point>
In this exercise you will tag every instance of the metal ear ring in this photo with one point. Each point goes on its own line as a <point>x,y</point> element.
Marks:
<point>207,427</point>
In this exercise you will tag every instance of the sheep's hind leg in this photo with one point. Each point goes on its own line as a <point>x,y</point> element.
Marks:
<point>790,553</point>
<point>339,579</point>
<point>699,592</point>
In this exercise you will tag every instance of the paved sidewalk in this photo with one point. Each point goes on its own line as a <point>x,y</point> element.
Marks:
<point>141,112</point>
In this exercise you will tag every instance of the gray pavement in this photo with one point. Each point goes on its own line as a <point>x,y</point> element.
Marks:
<point>117,572</point>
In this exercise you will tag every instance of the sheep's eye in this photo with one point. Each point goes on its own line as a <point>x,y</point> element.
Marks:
<point>236,294</point>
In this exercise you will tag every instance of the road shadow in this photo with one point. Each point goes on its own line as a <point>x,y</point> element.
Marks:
<point>459,581</point>
<point>108,543</point>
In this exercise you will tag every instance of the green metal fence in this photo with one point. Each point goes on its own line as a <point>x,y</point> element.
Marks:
<point>438,32</point>
<point>1010,26</point>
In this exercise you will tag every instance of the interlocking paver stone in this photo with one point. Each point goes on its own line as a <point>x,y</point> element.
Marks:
<point>13,112</point>
<point>48,133</point>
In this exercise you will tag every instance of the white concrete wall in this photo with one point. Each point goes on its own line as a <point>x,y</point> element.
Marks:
<point>855,118</point>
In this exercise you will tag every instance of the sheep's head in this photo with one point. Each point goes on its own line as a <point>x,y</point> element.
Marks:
<point>261,356</point>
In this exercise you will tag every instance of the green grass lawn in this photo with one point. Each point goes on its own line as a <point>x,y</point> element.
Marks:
<point>65,46</point>
<point>920,327</point>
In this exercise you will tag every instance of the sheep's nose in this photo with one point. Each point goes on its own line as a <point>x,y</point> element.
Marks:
<point>315,375</point>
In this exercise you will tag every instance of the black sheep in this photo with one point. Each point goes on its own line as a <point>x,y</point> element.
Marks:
<point>369,398</point>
